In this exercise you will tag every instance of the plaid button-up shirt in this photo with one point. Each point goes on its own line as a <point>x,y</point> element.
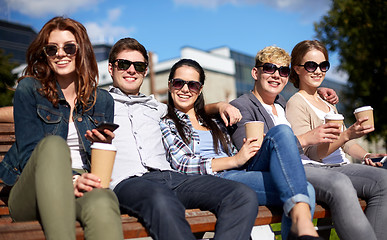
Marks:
<point>182,157</point>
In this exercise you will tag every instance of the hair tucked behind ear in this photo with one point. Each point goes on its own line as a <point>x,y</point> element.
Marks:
<point>203,117</point>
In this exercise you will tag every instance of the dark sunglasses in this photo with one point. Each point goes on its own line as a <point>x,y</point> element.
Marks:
<point>123,64</point>
<point>311,66</point>
<point>271,68</point>
<point>193,86</point>
<point>52,50</point>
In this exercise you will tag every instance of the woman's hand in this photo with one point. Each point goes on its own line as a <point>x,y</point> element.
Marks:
<point>326,133</point>
<point>229,113</point>
<point>85,183</point>
<point>248,150</point>
<point>357,131</point>
<point>368,159</point>
<point>95,136</point>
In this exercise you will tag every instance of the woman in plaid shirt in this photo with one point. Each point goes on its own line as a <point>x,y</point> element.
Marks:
<point>196,144</point>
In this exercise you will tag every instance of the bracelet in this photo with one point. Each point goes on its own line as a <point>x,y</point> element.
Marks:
<point>365,156</point>
<point>75,177</point>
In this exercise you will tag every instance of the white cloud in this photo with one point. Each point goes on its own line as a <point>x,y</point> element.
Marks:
<point>107,32</point>
<point>114,14</point>
<point>39,8</point>
<point>307,8</point>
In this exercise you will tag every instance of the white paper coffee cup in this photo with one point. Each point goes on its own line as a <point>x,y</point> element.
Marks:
<point>366,111</point>
<point>334,118</point>
<point>102,161</point>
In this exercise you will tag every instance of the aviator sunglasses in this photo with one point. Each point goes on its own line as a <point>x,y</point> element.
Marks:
<point>271,68</point>
<point>52,50</point>
<point>193,86</point>
<point>123,64</point>
<point>311,66</point>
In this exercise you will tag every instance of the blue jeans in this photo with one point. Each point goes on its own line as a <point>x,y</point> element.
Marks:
<point>276,174</point>
<point>159,200</point>
<point>340,187</point>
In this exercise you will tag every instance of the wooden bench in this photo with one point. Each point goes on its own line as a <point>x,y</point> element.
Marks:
<point>200,221</point>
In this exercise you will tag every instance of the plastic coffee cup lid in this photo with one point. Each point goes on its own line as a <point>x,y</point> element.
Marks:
<point>253,122</point>
<point>361,109</point>
<point>334,117</point>
<point>104,146</point>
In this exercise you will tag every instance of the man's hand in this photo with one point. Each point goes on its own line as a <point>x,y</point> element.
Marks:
<point>328,95</point>
<point>229,114</point>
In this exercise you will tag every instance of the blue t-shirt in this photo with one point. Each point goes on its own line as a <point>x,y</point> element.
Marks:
<point>207,149</point>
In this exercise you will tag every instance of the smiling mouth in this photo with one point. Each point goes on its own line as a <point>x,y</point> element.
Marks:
<point>274,83</point>
<point>63,62</point>
<point>130,79</point>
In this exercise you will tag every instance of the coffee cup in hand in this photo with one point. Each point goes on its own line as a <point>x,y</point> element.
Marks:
<point>335,118</point>
<point>363,112</point>
<point>254,129</point>
<point>102,161</point>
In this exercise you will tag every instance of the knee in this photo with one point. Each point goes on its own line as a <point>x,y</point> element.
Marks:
<point>53,145</point>
<point>101,202</point>
<point>281,131</point>
<point>340,188</point>
<point>245,195</point>
<point>52,149</point>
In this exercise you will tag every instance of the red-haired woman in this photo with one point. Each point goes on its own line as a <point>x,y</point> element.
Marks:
<point>56,107</point>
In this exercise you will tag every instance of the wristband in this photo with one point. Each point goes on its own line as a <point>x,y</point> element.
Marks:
<point>75,177</point>
<point>365,156</point>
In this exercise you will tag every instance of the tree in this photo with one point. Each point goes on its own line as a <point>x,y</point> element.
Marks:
<point>7,79</point>
<point>356,30</point>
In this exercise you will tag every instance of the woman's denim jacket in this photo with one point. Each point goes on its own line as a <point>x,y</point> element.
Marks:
<point>36,117</point>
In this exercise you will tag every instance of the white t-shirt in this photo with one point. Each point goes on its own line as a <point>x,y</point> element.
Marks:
<point>281,118</point>
<point>75,149</point>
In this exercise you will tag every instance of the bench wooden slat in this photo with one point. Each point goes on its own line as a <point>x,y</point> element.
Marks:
<point>7,128</point>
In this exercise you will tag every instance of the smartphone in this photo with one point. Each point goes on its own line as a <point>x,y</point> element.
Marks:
<point>106,125</point>
<point>381,159</point>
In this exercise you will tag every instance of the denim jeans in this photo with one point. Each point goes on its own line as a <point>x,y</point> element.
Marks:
<point>159,200</point>
<point>276,174</point>
<point>340,187</point>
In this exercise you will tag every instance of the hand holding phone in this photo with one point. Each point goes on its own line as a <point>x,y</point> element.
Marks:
<point>106,125</point>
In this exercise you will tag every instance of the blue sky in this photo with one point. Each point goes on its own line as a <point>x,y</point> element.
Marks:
<point>165,26</point>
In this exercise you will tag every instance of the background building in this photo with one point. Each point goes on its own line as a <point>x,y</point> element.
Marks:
<point>15,39</point>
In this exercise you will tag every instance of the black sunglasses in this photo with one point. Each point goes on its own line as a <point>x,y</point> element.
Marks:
<point>193,86</point>
<point>52,50</point>
<point>271,68</point>
<point>123,64</point>
<point>311,66</point>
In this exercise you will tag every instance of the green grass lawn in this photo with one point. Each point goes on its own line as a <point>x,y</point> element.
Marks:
<point>277,227</point>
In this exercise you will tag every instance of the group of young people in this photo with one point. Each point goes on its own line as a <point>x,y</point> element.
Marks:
<point>182,155</point>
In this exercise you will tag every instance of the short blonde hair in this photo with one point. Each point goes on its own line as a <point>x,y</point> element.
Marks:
<point>272,54</point>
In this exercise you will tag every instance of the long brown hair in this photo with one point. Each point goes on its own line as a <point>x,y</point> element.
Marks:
<point>217,134</point>
<point>86,70</point>
<point>298,53</point>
